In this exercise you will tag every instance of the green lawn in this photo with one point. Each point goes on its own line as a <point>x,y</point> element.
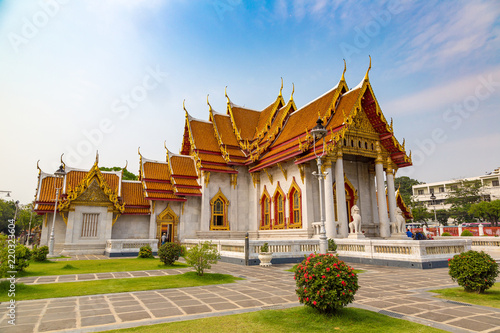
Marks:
<point>94,266</point>
<point>67,289</point>
<point>490,297</point>
<point>298,319</point>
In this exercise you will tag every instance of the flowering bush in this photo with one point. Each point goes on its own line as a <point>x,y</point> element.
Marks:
<point>169,253</point>
<point>331,245</point>
<point>145,252</point>
<point>466,233</point>
<point>325,283</point>
<point>475,271</point>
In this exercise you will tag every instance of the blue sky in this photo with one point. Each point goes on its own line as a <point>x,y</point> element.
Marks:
<point>111,75</point>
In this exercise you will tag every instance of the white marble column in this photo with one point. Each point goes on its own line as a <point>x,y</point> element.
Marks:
<point>340,190</point>
<point>373,196</point>
<point>205,203</point>
<point>329,210</point>
<point>391,192</point>
<point>382,202</point>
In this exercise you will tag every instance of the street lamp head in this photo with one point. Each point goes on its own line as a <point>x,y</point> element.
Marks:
<point>8,195</point>
<point>433,197</point>
<point>60,172</point>
<point>319,130</point>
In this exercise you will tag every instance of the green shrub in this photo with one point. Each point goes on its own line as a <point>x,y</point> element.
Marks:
<point>331,245</point>
<point>169,253</point>
<point>23,256</point>
<point>325,283</point>
<point>40,253</point>
<point>466,233</point>
<point>145,252</point>
<point>445,234</point>
<point>264,248</point>
<point>202,256</point>
<point>475,271</point>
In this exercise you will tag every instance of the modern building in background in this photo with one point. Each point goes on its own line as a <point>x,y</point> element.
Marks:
<point>490,190</point>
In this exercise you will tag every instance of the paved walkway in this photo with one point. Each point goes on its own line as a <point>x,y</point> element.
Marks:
<point>397,292</point>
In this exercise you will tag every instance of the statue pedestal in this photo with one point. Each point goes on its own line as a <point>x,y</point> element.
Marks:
<point>356,236</point>
<point>402,236</point>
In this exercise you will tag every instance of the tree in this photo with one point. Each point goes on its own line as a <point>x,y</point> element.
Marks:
<point>24,215</point>
<point>464,194</point>
<point>127,175</point>
<point>442,216</point>
<point>421,214</point>
<point>7,212</point>
<point>489,211</point>
<point>201,256</point>
<point>405,187</point>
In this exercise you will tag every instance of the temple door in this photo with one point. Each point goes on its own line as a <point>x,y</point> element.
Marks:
<point>166,223</point>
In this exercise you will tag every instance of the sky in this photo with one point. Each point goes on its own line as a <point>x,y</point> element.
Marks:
<point>77,77</point>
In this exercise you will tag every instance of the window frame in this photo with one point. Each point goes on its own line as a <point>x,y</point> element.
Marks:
<point>219,197</point>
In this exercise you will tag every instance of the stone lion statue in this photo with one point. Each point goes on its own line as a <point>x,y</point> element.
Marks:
<point>355,225</point>
<point>399,224</point>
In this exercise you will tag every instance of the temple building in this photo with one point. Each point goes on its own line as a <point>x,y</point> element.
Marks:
<point>241,171</point>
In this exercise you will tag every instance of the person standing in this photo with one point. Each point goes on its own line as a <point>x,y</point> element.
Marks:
<point>163,238</point>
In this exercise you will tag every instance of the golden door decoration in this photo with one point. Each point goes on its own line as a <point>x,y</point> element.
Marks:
<point>166,222</point>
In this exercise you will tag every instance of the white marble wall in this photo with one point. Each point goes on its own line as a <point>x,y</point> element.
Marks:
<point>59,230</point>
<point>75,221</point>
<point>131,227</point>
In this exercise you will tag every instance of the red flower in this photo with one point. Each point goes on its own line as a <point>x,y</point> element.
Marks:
<point>323,277</point>
<point>314,302</point>
<point>343,283</point>
<point>338,275</point>
<point>343,293</point>
<point>328,269</point>
<point>307,299</point>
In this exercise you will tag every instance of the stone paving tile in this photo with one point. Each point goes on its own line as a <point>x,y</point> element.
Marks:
<point>379,304</point>
<point>195,309</point>
<point>97,320</point>
<point>57,325</point>
<point>156,306</point>
<point>469,324</point>
<point>137,315</point>
<point>434,316</point>
<point>169,312</point>
<point>248,304</point>
<point>408,310</point>
<point>136,274</point>
<point>18,328</point>
<point>459,312</point>
<point>92,313</point>
<point>493,319</point>
<point>132,308</point>
<point>94,306</point>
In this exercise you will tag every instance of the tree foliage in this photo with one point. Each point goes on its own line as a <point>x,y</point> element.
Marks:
<point>442,216</point>
<point>486,210</point>
<point>421,214</point>
<point>464,194</point>
<point>202,256</point>
<point>7,211</point>
<point>475,271</point>
<point>127,175</point>
<point>405,187</point>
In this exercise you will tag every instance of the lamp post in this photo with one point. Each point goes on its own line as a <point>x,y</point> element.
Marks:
<point>29,227</point>
<point>433,198</point>
<point>8,193</point>
<point>58,174</point>
<point>318,133</point>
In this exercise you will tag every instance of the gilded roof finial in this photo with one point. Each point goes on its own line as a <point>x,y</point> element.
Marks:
<point>165,145</point>
<point>391,125</point>
<point>403,144</point>
<point>62,162</point>
<point>281,85</point>
<point>343,78</point>
<point>38,166</point>
<point>369,67</point>
<point>96,157</point>
<point>139,151</point>
<point>126,165</point>
<point>208,103</point>
<point>293,90</point>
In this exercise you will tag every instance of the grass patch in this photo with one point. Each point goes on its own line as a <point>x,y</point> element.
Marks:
<point>490,297</point>
<point>94,266</point>
<point>299,319</point>
<point>68,289</point>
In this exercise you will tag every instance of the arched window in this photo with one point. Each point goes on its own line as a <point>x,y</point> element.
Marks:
<point>279,208</point>
<point>219,205</point>
<point>295,206</point>
<point>265,208</point>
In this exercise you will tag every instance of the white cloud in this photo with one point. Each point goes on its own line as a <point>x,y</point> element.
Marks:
<point>441,97</point>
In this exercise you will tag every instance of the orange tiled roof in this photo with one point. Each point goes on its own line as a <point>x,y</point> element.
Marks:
<point>203,135</point>
<point>206,166</point>
<point>136,211</point>
<point>225,129</point>
<point>183,165</point>
<point>150,185</point>
<point>188,191</point>
<point>163,196</point>
<point>133,195</point>
<point>213,158</point>
<point>44,208</point>
<point>48,189</point>
<point>186,182</point>
<point>245,121</point>
<point>156,170</point>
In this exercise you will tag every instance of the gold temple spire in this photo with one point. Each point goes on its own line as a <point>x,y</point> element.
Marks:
<point>293,90</point>
<point>209,106</point>
<point>126,165</point>
<point>281,86</point>
<point>96,157</point>
<point>62,162</point>
<point>369,67</point>
<point>343,78</point>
